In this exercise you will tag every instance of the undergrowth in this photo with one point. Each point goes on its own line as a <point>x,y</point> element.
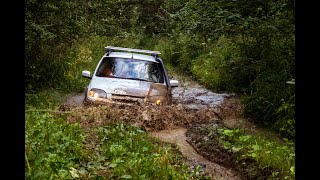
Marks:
<point>52,146</point>
<point>278,159</point>
<point>251,156</point>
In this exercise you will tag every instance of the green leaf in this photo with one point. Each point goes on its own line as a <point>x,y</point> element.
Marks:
<point>244,138</point>
<point>228,132</point>
<point>140,131</point>
<point>145,149</point>
<point>82,171</point>
<point>126,176</point>
<point>292,169</point>
<point>235,149</point>
<point>142,177</point>
<point>112,165</point>
<point>274,174</point>
<point>62,173</point>
<point>256,147</point>
<point>253,155</point>
<point>74,172</point>
<point>268,152</point>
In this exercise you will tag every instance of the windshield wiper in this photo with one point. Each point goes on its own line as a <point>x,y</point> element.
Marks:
<point>133,79</point>
<point>112,76</point>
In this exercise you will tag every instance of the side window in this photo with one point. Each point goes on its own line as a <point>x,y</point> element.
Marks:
<point>101,68</point>
<point>105,68</point>
<point>155,72</point>
<point>161,73</point>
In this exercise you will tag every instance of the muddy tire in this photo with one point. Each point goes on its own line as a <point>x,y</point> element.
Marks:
<point>85,102</point>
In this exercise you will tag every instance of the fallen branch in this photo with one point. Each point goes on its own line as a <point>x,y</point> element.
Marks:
<point>46,110</point>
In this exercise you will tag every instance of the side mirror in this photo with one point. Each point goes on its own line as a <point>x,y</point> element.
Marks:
<point>86,74</point>
<point>174,83</point>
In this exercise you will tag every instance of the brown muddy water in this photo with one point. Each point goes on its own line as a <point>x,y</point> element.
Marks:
<point>191,104</point>
<point>197,97</point>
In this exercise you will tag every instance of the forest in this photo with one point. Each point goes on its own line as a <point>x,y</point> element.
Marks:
<point>235,46</point>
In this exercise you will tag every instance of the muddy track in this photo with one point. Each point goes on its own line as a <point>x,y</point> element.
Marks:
<point>178,137</point>
<point>191,104</point>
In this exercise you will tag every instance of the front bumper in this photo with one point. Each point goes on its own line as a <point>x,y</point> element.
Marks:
<point>119,100</point>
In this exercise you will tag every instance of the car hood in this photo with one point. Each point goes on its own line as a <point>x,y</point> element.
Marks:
<point>128,87</point>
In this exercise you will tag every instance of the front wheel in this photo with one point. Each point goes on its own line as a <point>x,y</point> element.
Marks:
<point>85,101</point>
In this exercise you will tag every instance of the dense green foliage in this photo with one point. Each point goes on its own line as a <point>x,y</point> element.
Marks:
<point>52,146</point>
<point>243,46</point>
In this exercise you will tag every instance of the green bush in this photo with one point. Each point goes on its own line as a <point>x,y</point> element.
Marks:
<point>83,55</point>
<point>169,50</point>
<point>53,147</point>
<point>212,68</point>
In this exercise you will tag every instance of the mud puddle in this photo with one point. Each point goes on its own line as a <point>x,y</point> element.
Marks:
<point>196,97</point>
<point>177,136</point>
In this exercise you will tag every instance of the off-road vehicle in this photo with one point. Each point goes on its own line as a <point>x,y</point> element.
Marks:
<point>129,76</point>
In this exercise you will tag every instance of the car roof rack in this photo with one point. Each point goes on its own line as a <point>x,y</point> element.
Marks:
<point>112,48</point>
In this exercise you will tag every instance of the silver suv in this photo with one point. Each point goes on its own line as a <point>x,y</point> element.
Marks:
<point>129,76</point>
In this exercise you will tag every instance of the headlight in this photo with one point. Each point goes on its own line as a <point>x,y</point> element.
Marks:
<point>97,93</point>
<point>158,100</point>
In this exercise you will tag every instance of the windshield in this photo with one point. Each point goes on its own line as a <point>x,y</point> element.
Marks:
<point>126,68</point>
